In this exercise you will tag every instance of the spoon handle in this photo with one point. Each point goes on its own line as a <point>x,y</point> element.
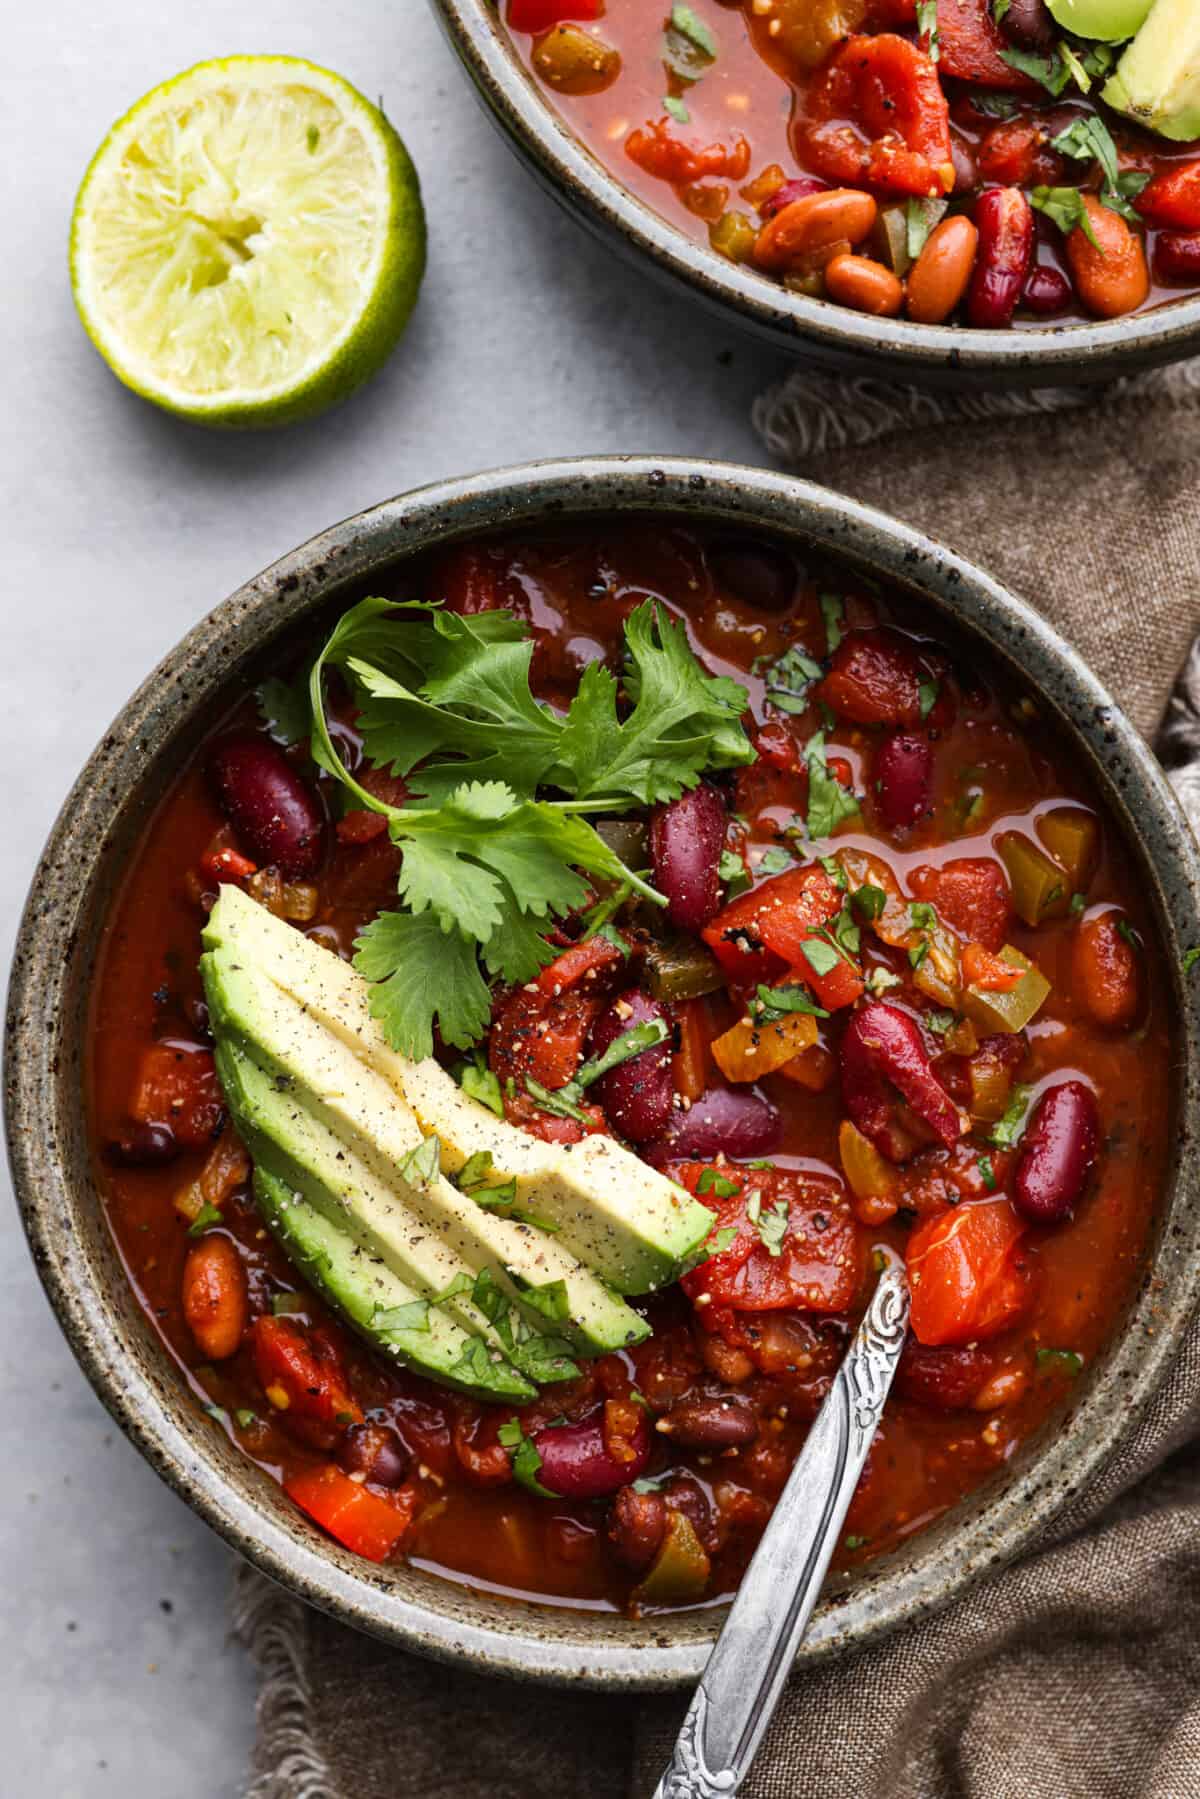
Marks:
<point>741,1685</point>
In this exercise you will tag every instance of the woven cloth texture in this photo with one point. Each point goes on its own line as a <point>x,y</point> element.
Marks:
<point>1076,1673</point>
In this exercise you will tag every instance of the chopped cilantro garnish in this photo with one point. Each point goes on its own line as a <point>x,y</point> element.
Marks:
<point>835,871</point>
<point>1007,1130</point>
<point>828,801</point>
<point>834,615</point>
<point>732,874</point>
<point>1051,72</point>
<point>286,709</point>
<point>774,862</point>
<point>927,26</point>
<point>938,1021</point>
<point>423,1163</point>
<point>526,1462</point>
<point>988,1173</point>
<point>1065,206</point>
<point>1190,959</point>
<point>922,916</point>
<point>411,1317</point>
<point>245,1419</point>
<point>869,902</point>
<point>775,1002</point>
<point>711,1181</point>
<point>861,1542</point>
<point>789,679</point>
<point>1126,930</point>
<point>1059,1361</point>
<point>1078,903</point>
<point>677,109</point>
<point>928,693</point>
<point>205,1219</point>
<point>821,957</point>
<point>478,1082</point>
<point>918,953</point>
<point>773,1227</point>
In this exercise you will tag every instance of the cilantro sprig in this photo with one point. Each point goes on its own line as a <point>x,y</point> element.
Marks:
<point>445,702</point>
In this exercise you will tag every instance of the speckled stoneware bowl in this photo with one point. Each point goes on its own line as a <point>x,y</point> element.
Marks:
<point>73,890</point>
<point>1035,356</point>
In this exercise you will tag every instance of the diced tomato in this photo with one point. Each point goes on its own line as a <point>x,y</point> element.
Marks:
<point>361,1520</point>
<point>877,115</point>
<point>179,1088</point>
<point>580,964</point>
<point>548,1127</point>
<point>654,149</point>
<point>874,679</point>
<point>1173,198</point>
<point>226,865</point>
<point>303,1369</point>
<point>778,744</point>
<point>938,1177</point>
<point>537,1037</point>
<point>817,1268</point>
<point>361,825</point>
<point>970,44</point>
<point>980,968</point>
<point>836,987</point>
<point>969,1276</point>
<point>1016,154</point>
<point>758,934</point>
<point>972,895</point>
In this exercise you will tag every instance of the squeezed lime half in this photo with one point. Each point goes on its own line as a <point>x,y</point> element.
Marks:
<point>248,242</point>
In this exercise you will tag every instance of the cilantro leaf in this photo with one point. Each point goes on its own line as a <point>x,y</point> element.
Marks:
<point>480,1082</point>
<point>1050,71</point>
<point>774,862</point>
<point>411,1317</point>
<point>834,615</point>
<point>732,874</point>
<point>789,678</point>
<point>1007,1130</point>
<point>677,109</point>
<point>419,974</point>
<point>1059,1361</point>
<point>526,1462</point>
<point>1088,139</point>
<point>927,27</point>
<point>712,1181</point>
<point>685,21</point>
<point>772,1227</point>
<point>776,1002</point>
<point>1064,205</point>
<point>828,801</point>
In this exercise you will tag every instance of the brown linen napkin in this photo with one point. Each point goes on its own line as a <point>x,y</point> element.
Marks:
<point>1075,1675</point>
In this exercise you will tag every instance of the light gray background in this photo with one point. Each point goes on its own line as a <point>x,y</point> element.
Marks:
<point>121,528</point>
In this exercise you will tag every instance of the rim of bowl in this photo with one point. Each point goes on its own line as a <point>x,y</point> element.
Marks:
<point>1039,355</point>
<point>69,1237</point>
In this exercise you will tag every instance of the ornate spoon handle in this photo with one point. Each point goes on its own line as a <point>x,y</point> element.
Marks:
<point>745,1676</point>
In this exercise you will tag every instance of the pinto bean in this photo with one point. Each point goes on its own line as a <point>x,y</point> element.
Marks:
<point>712,1421</point>
<point>904,779</point>
<point>686,840</point>
<point>1113,279</point>
<point>938,279</point>
<point>269,805</point>
<point>375,1451</point>
<point>809,229</point>
<point>635,1527</point>
<point>1106,974</point>
<point>737,1124</point>
<point>577,1463</point>
<point>1004,219</point>
<point>638,1096</point>
<point>1058,1151</point>
<point>215,1298</point>
<point>864,285</point>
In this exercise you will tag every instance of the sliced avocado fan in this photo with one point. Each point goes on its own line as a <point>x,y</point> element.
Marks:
<point>1157,81</point>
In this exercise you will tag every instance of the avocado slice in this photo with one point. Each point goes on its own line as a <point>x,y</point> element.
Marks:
<point>628,1223</point>
<point>371,1121</point>
<point>1110,21</point>
<point>1157,81</point>
<point>363,1288</point>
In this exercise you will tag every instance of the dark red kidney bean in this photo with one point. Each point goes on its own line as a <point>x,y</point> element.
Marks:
<point>966,170</point>
<point>1028,24</point>
<point>638,1096</point>
<point>1047,291</point>
<point>374,1450</point>
<point>1177,256</point>
<point>685,1494</point>
<point>269,805</point>
<point>795,189</point>
<point>576,1463</point>
<point>635,1527</point>
<point>1058,1151</point>
<point>882,1053</point>
<point>1005,221</point>
<point>738,1123</point>
<point>903,779</point>
<point>686,840</point>
<point>947,1379</point>
<point>710,1421</point>
<point>145,1146</point>
<point>757,573</point>
<point>198,1018</point>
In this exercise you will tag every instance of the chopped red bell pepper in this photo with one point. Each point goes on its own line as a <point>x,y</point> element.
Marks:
<point>758,934</point>
<point>970,45</point>
<point>582,962</point>
<point>968,1275</point>
<point>226,865</point>
<point>302,1373</point>
<point>362,1521</point>
<point>877,114</point>
<point>1173,198</point>
<point>874,679</point>
<point>179,1088</point>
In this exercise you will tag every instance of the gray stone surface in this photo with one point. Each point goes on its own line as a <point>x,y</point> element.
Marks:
<point>121,528</point>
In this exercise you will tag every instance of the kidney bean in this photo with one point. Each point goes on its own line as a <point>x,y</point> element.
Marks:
<point>737,1124</point>
<point>945,1378</point>
<point>686,840</point>
<point>882,1050</point>
<point>758,573</point>
<point>1004,218</point>
<point>1177,257</point>
<point>268,804</point>
<point>864,285</point>
<point>903,779</point>
<point>1057,1153</point>
<point>638,1096</point>
<point>797,189</point>
<point>710,1421</point>
<point>1047,291</point>
<point>576,1463</point>
<point>145,1146</point>
<point>1028,24</point>
<point>938,279</point>
<point>805,229</point>
<point>685,1494</point>
<point>215,1297</point>
<point>1113,279</point>
<point>966,170</point>
<point>1106,974</point>
<point>635,1527</point>
<point>374,1450</point>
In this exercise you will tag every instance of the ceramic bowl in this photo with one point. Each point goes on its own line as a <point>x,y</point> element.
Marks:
<point>816,330</point>
<point>73,891</point>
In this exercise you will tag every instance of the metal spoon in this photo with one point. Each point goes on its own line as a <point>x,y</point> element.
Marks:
<point>753,1655</point>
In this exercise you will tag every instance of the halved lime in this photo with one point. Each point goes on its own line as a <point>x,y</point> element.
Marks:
<point>248,242</point>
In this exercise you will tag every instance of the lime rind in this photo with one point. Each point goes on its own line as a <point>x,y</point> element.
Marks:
<point>248,242</point>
